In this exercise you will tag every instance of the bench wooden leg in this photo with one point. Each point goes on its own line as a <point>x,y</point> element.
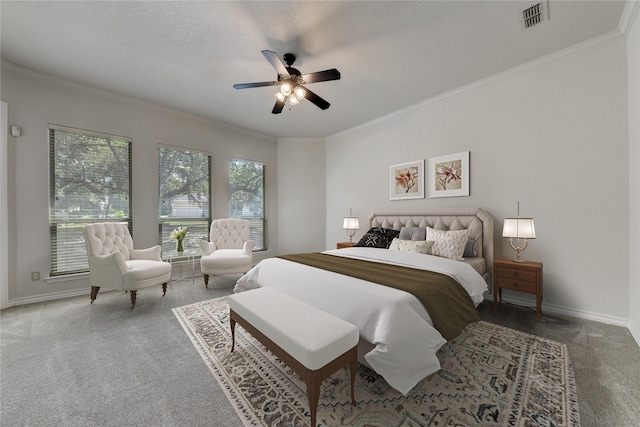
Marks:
<point>354,368</point>
<point>313,380</point>
<point>232,323</point>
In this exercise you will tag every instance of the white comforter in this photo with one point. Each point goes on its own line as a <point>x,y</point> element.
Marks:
<point>394,321</point>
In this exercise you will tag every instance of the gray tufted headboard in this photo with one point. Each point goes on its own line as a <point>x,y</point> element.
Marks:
<point>476,220</point>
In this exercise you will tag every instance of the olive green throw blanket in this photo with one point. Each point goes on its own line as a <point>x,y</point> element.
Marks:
<point>448,304</point>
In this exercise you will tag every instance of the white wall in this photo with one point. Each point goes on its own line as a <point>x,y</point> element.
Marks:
<point>302,191</point>
<point>35,101</point>
<point>552,135</point>
<point>633,51</point>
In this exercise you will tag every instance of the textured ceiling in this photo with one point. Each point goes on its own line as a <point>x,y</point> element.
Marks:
<point>188,55</point>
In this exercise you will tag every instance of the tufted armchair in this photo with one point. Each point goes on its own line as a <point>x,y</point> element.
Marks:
<point>230,249</point>
<point>114,264</point>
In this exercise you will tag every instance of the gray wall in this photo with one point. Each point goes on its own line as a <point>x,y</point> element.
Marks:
<point>34,101</point>
<point>633,55</point>
<point>302,195</point>
<point>553,135</point>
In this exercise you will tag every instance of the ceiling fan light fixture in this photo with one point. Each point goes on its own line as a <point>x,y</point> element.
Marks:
<point>293,100</point>
<point>285,89</point>
<point>280,96</point>
<point>299,92</point>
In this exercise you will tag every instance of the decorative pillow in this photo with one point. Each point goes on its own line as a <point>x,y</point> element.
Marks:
<point>448,244</point>
<point>471,249</point>
<point>413,233</point>
<point>378,237</point>
<point>416,246</point>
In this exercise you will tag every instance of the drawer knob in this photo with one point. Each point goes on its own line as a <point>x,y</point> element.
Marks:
<point>515,274</point>
<point>516,285</point>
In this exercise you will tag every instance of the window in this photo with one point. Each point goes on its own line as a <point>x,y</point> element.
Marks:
<point>184,178</point>
<point>246,198</point>
<point>90,177</point>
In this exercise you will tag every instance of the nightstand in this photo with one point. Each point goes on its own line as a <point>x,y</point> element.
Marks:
<point>342,245</point>
<point>523,276</point>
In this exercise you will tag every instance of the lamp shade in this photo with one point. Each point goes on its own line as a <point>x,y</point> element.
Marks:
<point>351,223</point>
<point>519,228</point>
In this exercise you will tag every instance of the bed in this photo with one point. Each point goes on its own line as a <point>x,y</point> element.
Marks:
<point>397,335</point>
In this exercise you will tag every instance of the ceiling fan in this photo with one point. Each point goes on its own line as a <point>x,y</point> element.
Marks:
<point>292,82</point>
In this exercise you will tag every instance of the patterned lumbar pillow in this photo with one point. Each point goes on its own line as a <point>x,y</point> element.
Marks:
<point>416,246</point>
<point>448,244</point>
<point>378,237</point>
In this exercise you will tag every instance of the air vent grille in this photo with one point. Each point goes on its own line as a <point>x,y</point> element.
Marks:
<point>532,15</point>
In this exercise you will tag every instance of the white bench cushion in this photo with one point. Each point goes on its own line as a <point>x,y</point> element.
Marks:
<point>310,335</point>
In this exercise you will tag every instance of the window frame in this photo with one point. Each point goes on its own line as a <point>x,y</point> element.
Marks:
<point>263,220</point>
<point>54,219</point>
<point>168,244</point>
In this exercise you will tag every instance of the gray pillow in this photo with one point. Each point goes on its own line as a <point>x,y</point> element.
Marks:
<point>413,233</point>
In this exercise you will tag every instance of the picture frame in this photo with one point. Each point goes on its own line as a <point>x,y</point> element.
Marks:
<point>449,175</point>
<point>406,180</point>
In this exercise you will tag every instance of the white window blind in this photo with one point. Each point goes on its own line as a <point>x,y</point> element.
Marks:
<point>247,199</point>
<point>184,179</point>
<point>90,181</point>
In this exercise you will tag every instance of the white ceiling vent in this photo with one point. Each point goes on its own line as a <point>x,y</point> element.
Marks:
<point>535,14</point>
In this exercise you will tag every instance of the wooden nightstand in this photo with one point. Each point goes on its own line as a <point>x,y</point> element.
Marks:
<point>345,245</point>
<point>518,276</point>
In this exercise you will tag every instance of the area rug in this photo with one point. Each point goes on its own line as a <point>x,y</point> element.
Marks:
<point>490,376</point>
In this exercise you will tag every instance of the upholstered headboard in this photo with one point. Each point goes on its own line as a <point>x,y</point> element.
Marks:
<point>476,220</point>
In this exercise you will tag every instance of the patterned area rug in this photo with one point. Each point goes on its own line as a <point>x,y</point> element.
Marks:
<point>490,376</point>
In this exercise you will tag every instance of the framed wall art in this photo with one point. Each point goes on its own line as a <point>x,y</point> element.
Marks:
<point>449,175</point>
<point>406,180</point>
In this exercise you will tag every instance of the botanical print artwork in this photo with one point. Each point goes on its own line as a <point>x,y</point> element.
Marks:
<point>406,180</point>
<point>449,175</point>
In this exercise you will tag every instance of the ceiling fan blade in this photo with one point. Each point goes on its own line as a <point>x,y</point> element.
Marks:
<point>277,109</point>
<point>321,76</point>
<point>275,62</point>
<point>250,85</point>
<point>319,102</point>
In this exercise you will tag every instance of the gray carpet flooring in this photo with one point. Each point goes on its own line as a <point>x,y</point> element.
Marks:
<point>69,363</point>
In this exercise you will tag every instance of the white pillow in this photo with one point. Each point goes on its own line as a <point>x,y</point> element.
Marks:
<point>416,246</point>
<point>448,244</point>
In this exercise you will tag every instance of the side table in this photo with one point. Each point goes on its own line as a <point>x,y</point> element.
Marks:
<point>190,255</point>
<point>523,276</point>
<point>342,245</point>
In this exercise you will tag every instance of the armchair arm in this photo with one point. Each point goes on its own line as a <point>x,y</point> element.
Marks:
<point>153,253</point>
<point>247,248</point>
<point>207,247</point>
<point>107,260</point>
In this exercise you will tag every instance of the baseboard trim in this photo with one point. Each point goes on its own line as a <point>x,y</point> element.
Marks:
<point>49,297</point>
<point>580,314</point>
<point>79,292</point>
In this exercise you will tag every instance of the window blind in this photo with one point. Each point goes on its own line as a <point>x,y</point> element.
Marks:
<point>247,198</point>
<point>90,181</point>
<point>184,185</point>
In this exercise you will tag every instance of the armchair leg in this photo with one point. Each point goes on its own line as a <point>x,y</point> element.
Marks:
<point>206,280</point>
<point>164,289</point>
<point>133,298</point>
<point>94,293</point>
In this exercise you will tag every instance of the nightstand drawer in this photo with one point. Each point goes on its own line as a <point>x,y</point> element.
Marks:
<point>518,274</point>
<point>517,284</point>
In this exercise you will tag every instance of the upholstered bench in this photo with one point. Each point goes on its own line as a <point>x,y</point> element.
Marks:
<point>313,343</point>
